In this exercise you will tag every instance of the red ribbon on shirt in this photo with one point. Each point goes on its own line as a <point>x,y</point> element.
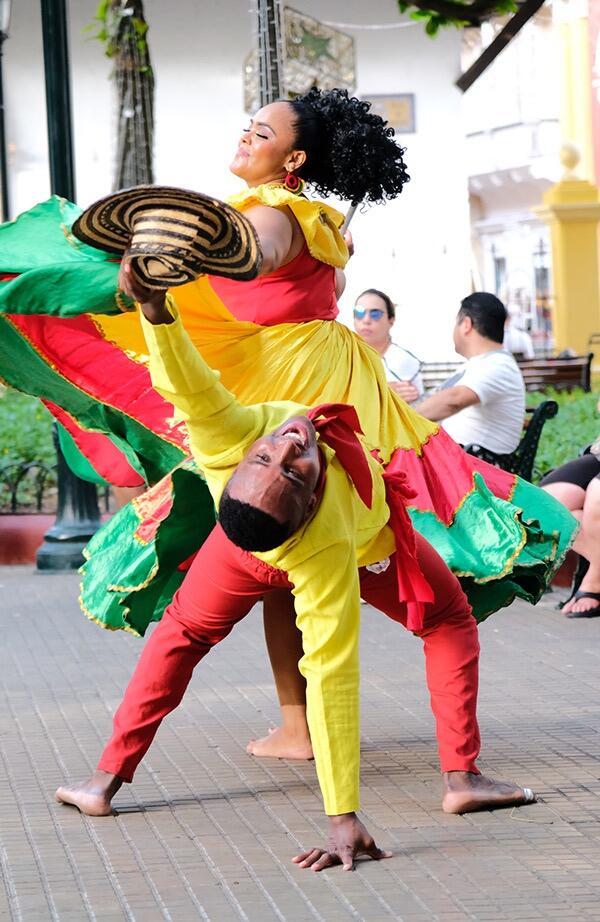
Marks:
<point>337,425</point>
<point>413,588</point>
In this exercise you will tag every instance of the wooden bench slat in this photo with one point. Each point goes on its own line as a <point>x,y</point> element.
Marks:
<point>538,374</point>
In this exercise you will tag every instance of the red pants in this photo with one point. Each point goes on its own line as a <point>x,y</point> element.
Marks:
<point>221,587</point>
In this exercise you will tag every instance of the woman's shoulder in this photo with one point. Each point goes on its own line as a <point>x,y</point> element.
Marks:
<point>320,223</point>
<point>275,195</point>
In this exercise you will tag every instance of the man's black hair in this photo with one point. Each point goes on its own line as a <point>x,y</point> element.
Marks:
<point>487,313</point>
<point>251,528</point>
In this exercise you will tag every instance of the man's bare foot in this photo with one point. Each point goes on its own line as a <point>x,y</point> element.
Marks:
<point>281,744</point>
<point>92,797</point>
<point>465,792</point>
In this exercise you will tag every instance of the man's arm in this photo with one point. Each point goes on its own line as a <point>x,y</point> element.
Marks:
<point>447,402</point>
<point>327,602</point>
<point>220,428</point>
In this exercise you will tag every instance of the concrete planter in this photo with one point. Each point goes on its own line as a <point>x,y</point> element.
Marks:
<point>22,535</point>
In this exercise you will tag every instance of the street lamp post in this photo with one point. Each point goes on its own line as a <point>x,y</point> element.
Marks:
<point>5,6</point>
<point>78,516</point>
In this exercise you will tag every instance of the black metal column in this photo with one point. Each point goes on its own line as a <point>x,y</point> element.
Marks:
<point>58,98</point>
<point>78,516</point>
<point>4,199</point>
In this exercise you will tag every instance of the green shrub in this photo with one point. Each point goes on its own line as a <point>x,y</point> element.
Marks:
<point>25,429</point>
<point>575,426</point>
<point>25,436</point>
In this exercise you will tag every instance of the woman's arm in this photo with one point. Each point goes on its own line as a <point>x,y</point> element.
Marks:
<point>340,275</point>
<point>276,236</point>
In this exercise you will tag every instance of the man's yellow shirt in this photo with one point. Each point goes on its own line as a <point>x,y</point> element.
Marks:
<point>321,559</point>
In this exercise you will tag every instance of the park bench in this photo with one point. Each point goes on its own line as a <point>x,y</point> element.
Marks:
<point>521,461</point>
<point>562,374</point>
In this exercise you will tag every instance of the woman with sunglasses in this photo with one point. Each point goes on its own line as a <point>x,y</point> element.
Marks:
<point>374,317</point>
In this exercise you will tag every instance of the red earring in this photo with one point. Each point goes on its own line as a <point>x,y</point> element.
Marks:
<point>293,183</point>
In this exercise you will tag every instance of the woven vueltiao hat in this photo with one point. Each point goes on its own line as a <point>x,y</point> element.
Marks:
<point>172,235</point>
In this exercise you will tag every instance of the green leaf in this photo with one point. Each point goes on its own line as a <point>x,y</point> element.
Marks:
<point>432,26</point>
<point>102,10</point>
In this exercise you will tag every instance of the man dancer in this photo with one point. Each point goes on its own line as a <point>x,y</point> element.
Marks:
<point>293,513</point>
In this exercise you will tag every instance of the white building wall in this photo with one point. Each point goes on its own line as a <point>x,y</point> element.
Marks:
<point>416,248</point>
<point>512,141</point>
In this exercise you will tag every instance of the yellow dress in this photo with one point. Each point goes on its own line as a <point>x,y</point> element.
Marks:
<point>275,338</point>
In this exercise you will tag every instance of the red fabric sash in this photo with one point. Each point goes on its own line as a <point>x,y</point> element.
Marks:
<point>337,425</point>
<point>413,588</point>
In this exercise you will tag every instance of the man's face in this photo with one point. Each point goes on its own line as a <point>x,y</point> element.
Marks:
<point>279,472</point>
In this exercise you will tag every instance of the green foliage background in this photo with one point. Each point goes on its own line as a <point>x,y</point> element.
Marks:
<point>25,435</point>
<point>575,426</point>
<point>25,429</point>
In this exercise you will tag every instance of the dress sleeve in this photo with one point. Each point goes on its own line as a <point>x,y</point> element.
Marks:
<point>327,601</point>
<point>320,223</point>
<point>220,429</point>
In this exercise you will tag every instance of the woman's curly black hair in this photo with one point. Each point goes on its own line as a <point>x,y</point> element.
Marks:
<point>351,152</point>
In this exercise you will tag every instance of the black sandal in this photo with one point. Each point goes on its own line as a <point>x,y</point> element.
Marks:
<point>591,612</point>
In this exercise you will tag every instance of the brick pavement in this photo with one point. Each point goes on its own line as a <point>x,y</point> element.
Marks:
<point>207,832</point>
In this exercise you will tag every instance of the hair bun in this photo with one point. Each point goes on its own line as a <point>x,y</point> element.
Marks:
<point>351,152</point>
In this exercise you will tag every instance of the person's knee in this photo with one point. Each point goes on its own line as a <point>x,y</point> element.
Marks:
<point>200,634</point>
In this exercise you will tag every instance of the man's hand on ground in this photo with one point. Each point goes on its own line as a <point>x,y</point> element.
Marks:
<point>348,839</point>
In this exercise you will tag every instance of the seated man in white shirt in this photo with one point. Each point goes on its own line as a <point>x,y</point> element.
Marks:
<point>374,317</point>
<point>484,402</point>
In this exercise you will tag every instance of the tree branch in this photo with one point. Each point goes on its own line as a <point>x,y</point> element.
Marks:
<point>472,13</point>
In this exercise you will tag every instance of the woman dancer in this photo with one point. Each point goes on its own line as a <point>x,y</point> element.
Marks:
<point>278,337</point>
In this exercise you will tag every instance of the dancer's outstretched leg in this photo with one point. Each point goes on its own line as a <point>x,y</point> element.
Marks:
<point>451,649</point>
<point>291,740</point>
<point>213,597</point>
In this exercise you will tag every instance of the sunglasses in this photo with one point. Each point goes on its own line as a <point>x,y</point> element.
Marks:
<point>375,314</point>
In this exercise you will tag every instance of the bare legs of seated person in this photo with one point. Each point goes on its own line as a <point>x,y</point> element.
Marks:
<point>585,506</point>
<point>462,792</point>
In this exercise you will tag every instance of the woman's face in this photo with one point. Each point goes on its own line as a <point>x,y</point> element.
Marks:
<point>266,148</point>
<point>371,320</point>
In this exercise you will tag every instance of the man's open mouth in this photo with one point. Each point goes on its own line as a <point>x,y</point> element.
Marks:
<point>296,433</point>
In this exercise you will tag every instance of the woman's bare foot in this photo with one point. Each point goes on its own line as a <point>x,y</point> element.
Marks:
<point>584,604</point>
<point>465,792</point>
<point>280,743</point>
<point>92,797</point>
